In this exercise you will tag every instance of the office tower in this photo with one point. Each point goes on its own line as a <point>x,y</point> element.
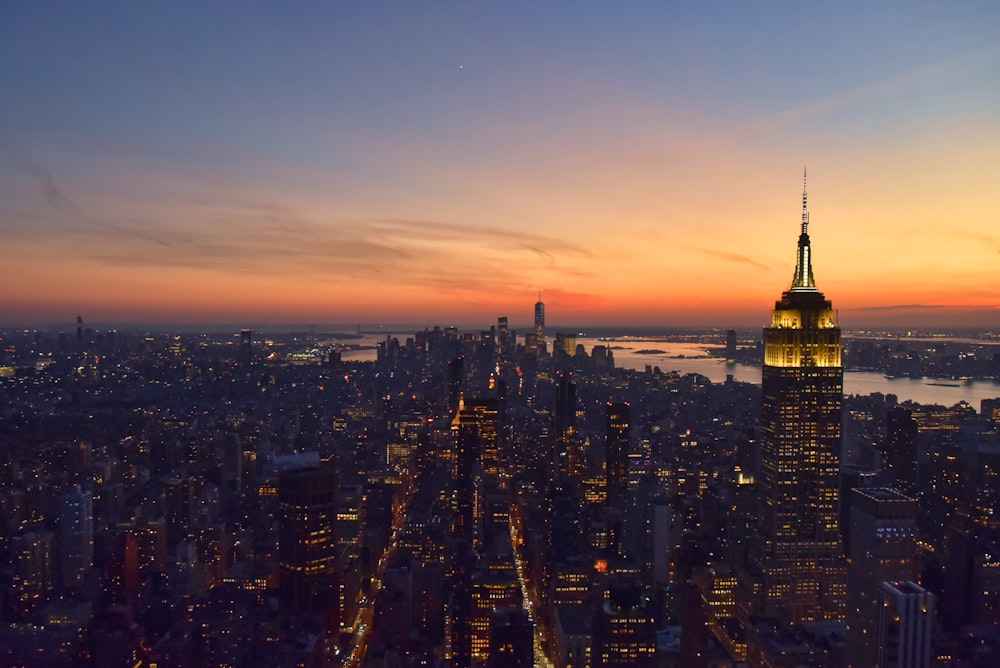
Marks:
<point>624,631</point>
<point>461,554</point>
<point>796,550</point>
<point>79,331</point>
<point>483,415</point>
<point>899,454</point>
<point>905,624</point>
<point>540,323</point>
<point>307,500</point>
<point>246,351</point>
<point>76,535</point>
<point>534,342</point>
<point>730,345</point>
<point>505,347</point>
<point>491,590</point>
<point>616,450</point>
<point>883,547</point>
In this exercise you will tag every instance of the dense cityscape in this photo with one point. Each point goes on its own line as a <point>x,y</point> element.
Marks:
<point>495,498</point>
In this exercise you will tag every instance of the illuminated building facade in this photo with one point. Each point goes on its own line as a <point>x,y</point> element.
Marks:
<point>796,550</point>
<point>307,546</point>
<point>624,632</point>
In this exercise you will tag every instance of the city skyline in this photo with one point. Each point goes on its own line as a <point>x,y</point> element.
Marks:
<point>444,163</point>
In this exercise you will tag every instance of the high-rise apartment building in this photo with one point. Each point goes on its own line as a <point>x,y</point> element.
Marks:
<point>796,552</point>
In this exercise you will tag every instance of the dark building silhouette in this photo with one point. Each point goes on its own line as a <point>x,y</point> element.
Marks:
<point>730,345</point>
<point>883,547</point>
<point>899,454</point>
<point>852,477</point>
<point>246,345</point>
<point>796,549</point>
<point>456,382</point>
<point>511,642</point>
<point>307,543</point>
<point>616,449</point>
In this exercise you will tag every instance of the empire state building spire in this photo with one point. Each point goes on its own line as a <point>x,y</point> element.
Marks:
<point>803,280</point>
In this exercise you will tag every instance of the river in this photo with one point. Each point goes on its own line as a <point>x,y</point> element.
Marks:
<point>691,358</point>
<point>695,360</point>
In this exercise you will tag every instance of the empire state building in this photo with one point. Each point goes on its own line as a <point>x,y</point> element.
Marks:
<point>796,551</point>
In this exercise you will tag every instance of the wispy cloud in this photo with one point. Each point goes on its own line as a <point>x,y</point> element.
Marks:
<point>940,71</point>
<point>913,307</point>
<point>732,257</point>
<point>67,207</point>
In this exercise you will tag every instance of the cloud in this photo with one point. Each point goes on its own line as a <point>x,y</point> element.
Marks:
<point>733,257</point>
<point>254,238</point>
<point>62,204</point>
<point>940,71</point>
<point>912,307</point>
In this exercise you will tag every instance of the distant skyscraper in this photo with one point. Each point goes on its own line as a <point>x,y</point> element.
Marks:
<point>76,535</point>
<point>307,499</point>
<point>504,347</point>
<point>796,553</point>
<point>905,624</point>
<point>535,342</point>
<point>246,341</point>
<point>540,318</point>
<point>616,450</point>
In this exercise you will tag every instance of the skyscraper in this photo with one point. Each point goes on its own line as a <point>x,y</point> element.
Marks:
<point>246,345</point>
<point>307,499</point>
<point>617,451</point>
<point>540,320</point>
<point>883,547</point>
<point>899,454</point>
<point>796,551</point>
<point>535,341</point>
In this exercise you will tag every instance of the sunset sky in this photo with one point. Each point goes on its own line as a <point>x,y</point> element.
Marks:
<point>440,162</point>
